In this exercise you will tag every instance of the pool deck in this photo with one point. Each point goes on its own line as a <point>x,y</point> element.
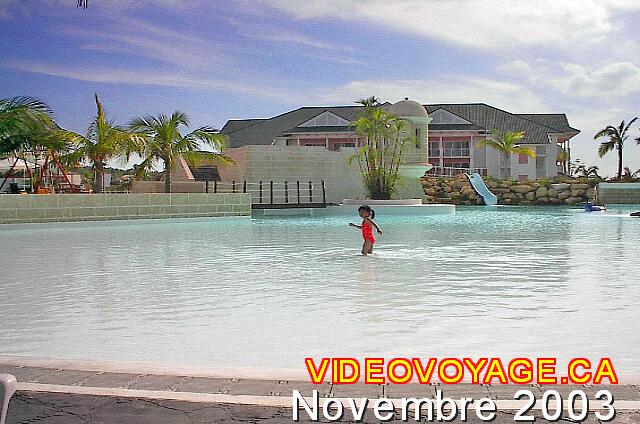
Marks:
<point>51,395</point>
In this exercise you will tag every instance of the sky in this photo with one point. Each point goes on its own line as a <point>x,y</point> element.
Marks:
<point>220,60</point>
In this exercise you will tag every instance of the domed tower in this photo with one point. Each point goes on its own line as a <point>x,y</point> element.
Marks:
<point>415,156</point>
<point>418,118</point>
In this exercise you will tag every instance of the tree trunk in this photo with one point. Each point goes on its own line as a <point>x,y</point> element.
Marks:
<point>167,176</point>
<point>619,161</point>
<point>98,178</point>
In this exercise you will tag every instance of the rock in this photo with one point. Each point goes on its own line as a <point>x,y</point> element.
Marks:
<point>564,195</point>
<point>591,193</point>
<point>542,200</point>
<point>541,192</point>
<point>530,196</point>
<point>581,186</point>
<point>447,189</point>
<point>552,192</point>
<point>577,193</point>
<point>521,188</point>
<point>554,201</point>
<point>430,192</point>
<point>573,200</point>
<point>561,186</point>
<point>447,200</point>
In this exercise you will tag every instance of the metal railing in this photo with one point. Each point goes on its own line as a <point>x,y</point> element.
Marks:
<point>272,194</point>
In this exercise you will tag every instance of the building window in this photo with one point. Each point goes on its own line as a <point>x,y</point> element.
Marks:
<point>339,145</point>
<point>456,149</point>
<point>434,148</point>
<point>523,178</point>
<point>523,159</point>
<point>463,165</point>
<point>418,139</point>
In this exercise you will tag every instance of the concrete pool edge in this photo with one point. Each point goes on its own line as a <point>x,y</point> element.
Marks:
<point>258,374</point>
<point>150,368</point>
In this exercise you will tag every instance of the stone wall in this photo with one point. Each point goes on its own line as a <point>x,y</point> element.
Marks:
<point>176,186</point>
<point>16,208</point>
<point>458,190</point>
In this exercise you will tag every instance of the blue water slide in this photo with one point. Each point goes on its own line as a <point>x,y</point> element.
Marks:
<point>481,188</point>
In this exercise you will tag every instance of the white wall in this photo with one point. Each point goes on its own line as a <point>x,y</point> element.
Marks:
<point>291,163</point>
<point>305,163</point>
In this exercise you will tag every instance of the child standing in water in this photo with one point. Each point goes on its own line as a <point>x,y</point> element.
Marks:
<point>367,214</point>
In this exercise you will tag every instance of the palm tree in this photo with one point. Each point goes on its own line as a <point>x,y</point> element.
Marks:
<point>379,159</point>
<point>104,141</point>
<point>28,130</point>
<point>164,142</point>
<point>19,116</point>
<point>617,136</point>
<point>630,175</point>
<point>507,142</point>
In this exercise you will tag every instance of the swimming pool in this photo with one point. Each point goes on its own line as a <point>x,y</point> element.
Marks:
<point>268,292</point>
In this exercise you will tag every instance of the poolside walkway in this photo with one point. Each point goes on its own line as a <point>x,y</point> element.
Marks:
<point>53,395</point>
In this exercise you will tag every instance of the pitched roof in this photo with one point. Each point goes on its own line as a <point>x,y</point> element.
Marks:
<point>537,127</point>
<point>558,121</point>
<point>263,131</point>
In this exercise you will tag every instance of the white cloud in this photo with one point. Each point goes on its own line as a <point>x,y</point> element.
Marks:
<point>175,47</point>
<point>479,23</point>
<point>278,35</point>
<point>157,78</point>
<point>614,80</point>
<point>459,89</point>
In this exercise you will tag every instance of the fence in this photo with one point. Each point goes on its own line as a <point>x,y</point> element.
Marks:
<point>270,194</point>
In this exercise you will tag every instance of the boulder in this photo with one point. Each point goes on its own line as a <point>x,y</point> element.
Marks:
<point>561,186</point>
<point>501,190</point>
<point>530,196</point>
<point>541,192</point>
<point>552,192</point>
<point>581,186</point>
<point>521,188</point>
<point>542,200</point>
<point>573,200</point>
<point>577,192</point>
<point>564,195</point>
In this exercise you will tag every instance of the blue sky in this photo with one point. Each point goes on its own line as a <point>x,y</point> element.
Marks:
<point>218,60</point>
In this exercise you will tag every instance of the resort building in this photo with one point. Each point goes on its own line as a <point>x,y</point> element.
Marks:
<point>447,134</point>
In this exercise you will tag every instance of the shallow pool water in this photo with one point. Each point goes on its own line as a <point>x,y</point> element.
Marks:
<point>267,292</point>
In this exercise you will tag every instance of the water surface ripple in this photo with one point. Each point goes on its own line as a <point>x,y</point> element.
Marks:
<point>268,292</point>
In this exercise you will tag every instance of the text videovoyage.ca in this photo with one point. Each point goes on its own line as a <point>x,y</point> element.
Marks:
<point>542,371</point>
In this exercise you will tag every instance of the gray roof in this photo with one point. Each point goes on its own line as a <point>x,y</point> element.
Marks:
<point>484,118</point>
<point>558,121</point>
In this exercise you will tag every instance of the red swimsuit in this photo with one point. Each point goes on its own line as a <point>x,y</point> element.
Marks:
<point>367,232</point>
